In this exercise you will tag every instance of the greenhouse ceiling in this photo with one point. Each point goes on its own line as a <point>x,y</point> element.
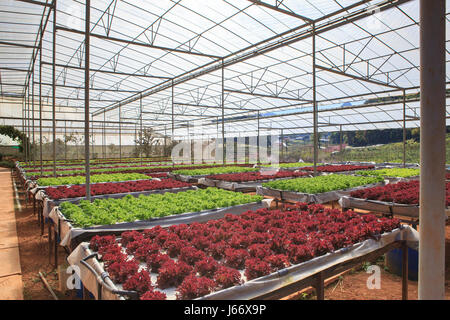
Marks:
<point>197,64</point>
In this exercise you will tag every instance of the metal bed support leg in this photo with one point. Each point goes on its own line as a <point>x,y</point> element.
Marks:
<point>41,212</point>
<point>55,234</point>
<point>320,286</point>
<point>49,242</point>
<point>404,271</point>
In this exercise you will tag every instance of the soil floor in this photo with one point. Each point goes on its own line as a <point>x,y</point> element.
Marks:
<point>34,258</point>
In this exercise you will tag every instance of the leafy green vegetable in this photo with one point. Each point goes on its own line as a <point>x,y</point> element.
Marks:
<point>394,172</point>
<point>129,208</point>
<point>321,184</point>
<point>94,178</point>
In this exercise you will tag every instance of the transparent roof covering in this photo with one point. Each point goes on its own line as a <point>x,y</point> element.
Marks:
<point>172,62</point>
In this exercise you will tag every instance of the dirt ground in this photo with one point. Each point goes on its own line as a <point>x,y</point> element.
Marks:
<point>34,258</point>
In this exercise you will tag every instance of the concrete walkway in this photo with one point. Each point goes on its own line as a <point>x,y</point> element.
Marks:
<point>11,286</point>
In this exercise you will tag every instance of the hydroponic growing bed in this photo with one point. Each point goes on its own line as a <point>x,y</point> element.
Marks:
<point>236,257</point>
<point>193,175</point>
<point>320,189</point>
<point>50,197</point>
<point>401,198</point>
<point>248,181</point>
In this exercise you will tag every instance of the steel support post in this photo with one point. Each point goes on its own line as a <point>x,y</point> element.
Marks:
<point>54,88</point>
<point>257,140</point>
<point>40,106</point>
<point>404,128</point>
<point>104,136</point>
<point>165,141</point>
<point>32,117</point>
<point>87,43</point>
<point>24,127</point>
<point>432,150</point>
<point>223,114</point>
<point>65,140</point>
<point>120,134</point>
<point>140,130</point>
<point>315,117</point>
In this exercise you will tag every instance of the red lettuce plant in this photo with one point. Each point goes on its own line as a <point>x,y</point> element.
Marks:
<point>235,258</point>
<point>172,273</point>
<point>121,271</point>
<point>154,295</point>
<point>227,277</point>
<point>99,241</point>
<point>193,287</point>
<point>255,268</point>
<point>190,255</point>
<point>206,267</point>
<point>156,260</point>
<point>277,261</point>
<point>139,282</point>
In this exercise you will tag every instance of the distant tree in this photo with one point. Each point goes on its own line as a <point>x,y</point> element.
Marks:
<point>415,134</point>
<point>112,148</point>
<point>146,142</point>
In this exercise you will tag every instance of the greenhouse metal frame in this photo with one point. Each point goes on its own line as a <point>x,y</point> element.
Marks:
<point>234,66</point>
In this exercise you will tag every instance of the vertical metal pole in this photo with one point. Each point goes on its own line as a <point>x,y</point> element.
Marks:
<point>172,111</point>
<point>32,116</point>
<point>120,134</point>
<point>404,128</point>
<point>104,136</point>
<point>223,114</point>
<point>282,146</point>
<point>25,127</point>
<point>87,44</point>
<point>315,117</point>
<point>257,139</point>
<point>65,140</point>
<point>404,271</point>
<point>165,141</point>
<point>54,88</point>
<point>173,138</point>
<point>432,150</point>
<point>140,130</point>
<point>92,135</point>
<point>40,105</point>
<point>28,121</point>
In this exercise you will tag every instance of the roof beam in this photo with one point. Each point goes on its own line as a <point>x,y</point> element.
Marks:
<point>278,9</point>
<point>107,71</point>
<point>15,44</point>
<point>37,3</point>
<point>357,77</point>
<point>141,44</point>
<point>265,95</point>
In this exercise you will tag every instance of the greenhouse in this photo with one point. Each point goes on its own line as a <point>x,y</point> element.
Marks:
<point>224,150</point>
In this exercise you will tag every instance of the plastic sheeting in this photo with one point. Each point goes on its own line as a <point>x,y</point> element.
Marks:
<point>310,198</point>
<point>71,236</point>
<point>257,287</point>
